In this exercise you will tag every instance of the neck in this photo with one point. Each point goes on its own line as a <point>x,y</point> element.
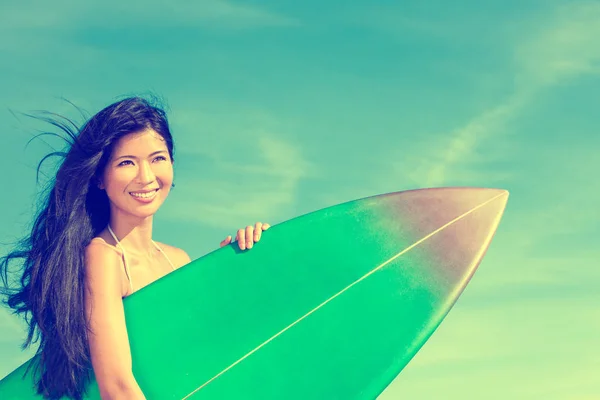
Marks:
<point>134,236</point>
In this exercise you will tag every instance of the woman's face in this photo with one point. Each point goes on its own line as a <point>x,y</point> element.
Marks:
<point>138,175</point>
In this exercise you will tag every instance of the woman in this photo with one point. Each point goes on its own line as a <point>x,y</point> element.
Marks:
<point>91,245</point>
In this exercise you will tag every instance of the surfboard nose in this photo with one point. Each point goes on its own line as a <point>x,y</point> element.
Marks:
<point>463,201</point>
<point>453,197</point>
<point>427,210</point>
<point>451,228</point>
<point>470,197</point>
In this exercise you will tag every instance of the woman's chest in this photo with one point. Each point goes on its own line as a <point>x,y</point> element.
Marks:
<point>145,270</point>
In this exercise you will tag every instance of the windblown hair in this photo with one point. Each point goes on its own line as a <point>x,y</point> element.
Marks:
<point>51,290</point>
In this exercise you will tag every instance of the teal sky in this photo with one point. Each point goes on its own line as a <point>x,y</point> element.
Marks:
<point>283,107</point>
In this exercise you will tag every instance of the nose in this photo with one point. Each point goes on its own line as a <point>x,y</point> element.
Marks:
<point>145,173</point>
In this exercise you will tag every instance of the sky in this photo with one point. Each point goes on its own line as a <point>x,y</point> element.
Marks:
<point>280,108</point>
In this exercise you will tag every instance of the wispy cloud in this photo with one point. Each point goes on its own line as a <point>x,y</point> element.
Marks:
<point>254,190</point>
<point>263,166</point>
<point>155,13</point>
<point>560,47</point>
<point>213,13</point>
<point>460,146</point>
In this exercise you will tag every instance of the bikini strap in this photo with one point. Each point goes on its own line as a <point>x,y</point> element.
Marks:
<point>124,260</point>
<point>164,254</point>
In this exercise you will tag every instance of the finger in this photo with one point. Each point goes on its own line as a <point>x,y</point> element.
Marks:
<point>226,241</point>
<point>241,239</point>
<point>257,231</point>
<point>265,226</point>
<point>249,236</point>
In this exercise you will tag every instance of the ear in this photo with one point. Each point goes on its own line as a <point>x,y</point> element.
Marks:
<point>99,183</point>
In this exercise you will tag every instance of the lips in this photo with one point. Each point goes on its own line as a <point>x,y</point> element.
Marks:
<point>145,196</point>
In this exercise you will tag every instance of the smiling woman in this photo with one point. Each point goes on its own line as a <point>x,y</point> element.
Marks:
<point>91,245</point>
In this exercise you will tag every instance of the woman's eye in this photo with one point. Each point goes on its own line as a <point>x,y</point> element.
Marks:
<point>125,162</point>
<point>161,158</point>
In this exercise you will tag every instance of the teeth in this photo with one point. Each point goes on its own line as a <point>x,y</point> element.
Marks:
<point>143,195</point>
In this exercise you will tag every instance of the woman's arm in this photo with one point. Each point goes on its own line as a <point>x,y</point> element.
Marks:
<point>108,341</point>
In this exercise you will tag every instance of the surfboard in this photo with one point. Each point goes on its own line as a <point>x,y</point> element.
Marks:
<point>329,305</point>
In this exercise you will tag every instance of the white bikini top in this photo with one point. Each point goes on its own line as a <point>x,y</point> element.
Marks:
<point>125,262</point>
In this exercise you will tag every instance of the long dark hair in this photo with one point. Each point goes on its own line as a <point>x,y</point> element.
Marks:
<point>51,290</point>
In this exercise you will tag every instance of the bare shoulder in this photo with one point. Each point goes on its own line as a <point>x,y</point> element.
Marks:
<point>178,256</point>
<point>103,267</point>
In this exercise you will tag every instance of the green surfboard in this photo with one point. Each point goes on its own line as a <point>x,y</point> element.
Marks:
<point>329,305</point>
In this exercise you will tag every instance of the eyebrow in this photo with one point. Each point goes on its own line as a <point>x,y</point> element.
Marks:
<point>150,155</point>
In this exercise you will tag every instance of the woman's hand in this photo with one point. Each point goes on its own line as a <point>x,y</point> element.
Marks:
<point>247,237</point>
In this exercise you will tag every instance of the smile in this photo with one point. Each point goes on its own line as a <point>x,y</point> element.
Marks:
<point>144,195</point>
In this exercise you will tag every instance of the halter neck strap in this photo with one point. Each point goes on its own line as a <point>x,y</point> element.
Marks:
<point>127,272</point>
